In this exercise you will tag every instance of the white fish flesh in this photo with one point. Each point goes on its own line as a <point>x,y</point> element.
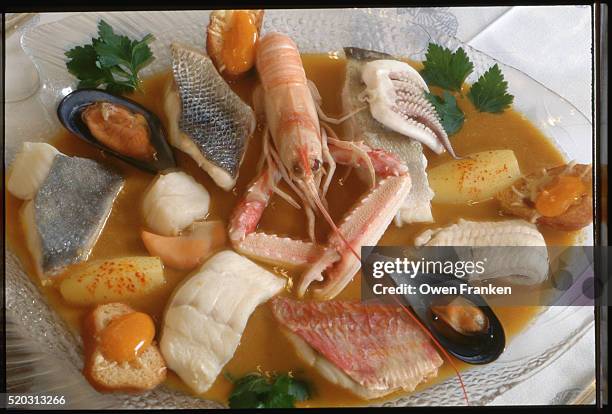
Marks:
<point>370,349</point>
<point>207,314</point>
<point>207,120</point>
<point>68,200</point>
<point>173,202</point>
<point>30,168</point>
<point>362,126</point>
<point>514,249</point>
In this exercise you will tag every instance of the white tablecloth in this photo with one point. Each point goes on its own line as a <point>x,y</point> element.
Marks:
<point>552,44</point>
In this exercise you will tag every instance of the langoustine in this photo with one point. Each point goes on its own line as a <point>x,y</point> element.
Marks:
<point>303,151</point>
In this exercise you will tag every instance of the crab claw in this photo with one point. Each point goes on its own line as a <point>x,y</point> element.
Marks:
<point>395,93</point>
<point>363,226</point>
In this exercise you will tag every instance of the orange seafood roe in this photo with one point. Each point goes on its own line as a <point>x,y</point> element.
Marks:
<point>555,199</point>
<point>127,336</point>
<point>239,40</point>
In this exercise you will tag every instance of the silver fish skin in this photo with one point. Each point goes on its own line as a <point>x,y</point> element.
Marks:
<point>207,119</point>
<point>68,212</point>
<point>362,126</point>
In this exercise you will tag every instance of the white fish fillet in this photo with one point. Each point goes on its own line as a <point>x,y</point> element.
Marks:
<point>526,264</point>
<point>207,314</point>
<point>362,126</point>
<point>30,168</point>
<point>173,202</point>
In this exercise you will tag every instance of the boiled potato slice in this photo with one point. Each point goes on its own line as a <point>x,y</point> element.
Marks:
<point>477,177</point>
<point>112,280</point>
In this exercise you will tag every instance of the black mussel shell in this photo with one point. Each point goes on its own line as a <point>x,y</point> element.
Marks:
<point>480,348</point>
<point>69,114</point>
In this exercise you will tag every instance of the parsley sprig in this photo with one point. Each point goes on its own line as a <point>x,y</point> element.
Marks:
<point>111,61</point>
<point>446,69</point>
<point>449,70</point>
<point>256,391</point>
<point>490,92</point>
<point>450,115</point>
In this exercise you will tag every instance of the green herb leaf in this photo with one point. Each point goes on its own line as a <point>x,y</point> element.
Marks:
<point>280,401</point>
<point>490,92</point>
<point>246,400</point>
<point>141,53</point>
<point>111,60</point>
<point>255,391</point>
<point>299,390</point>
<point>450,115</point>
<point>251,383</point>
<point>445,68</point>
<point>83,65</point>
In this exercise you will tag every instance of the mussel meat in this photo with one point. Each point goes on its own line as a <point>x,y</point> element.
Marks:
<point>118,126</point>
<point>462,315</point>
<point>464,324</point>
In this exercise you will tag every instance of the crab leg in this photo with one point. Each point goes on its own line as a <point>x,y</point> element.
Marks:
<point>247,215</point>
<point>363,226</point>
<point>249,210</point>
<point>384,163</point>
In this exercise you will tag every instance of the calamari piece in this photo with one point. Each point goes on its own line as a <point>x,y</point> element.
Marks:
<point>499,242</point>
<point>395,94</point>
<point>363,127</point>
<point>68,202</point>
<point>370,349</point>
<point>173,202</point>
<point>207,314</point>
<point>207,120</point>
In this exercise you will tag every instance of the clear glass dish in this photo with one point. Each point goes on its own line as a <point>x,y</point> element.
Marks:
<point>44,357</point>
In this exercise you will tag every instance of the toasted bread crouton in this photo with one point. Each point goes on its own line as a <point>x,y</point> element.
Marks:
<point>218,24</point>
<point>144,373</point>
<point>519,199</point>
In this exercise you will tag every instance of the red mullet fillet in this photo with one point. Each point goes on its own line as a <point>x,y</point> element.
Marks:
<point>371,349</point>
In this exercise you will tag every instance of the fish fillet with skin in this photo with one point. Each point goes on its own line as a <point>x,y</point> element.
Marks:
<point>68,200</point>
<point>207,120</point>
<point>362,126</point>
<point>370,349</point>
<point>207,314</point>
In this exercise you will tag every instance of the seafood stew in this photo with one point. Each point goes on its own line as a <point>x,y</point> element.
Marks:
<point>278,352</point>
